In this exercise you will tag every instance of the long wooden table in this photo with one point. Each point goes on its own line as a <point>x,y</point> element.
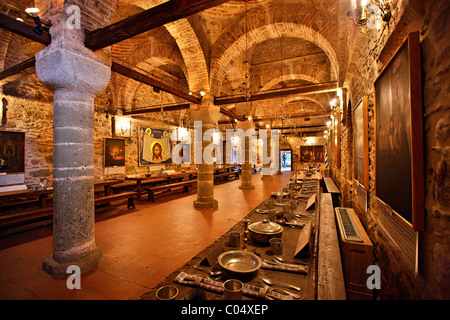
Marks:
<point>8,198</point>
<point>41,194</point>
<point>290,236</point>
<point>106,184</point>
<point>163,178</point>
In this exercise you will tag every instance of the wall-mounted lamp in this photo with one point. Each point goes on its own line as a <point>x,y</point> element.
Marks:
<point>370,14</point>
<point>34,13</point>
<point>122,126</point>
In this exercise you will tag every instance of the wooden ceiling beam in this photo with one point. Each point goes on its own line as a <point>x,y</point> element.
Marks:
<point>175,107</point>
<point>140,77</point>
<point>149,19</point>
<point>103,37</point>
<point>17,71</point>
<point>295,116</point>
<point>299,127</point>
<point>231,114</point>
<point>23,29</point>
<point>308,89</point>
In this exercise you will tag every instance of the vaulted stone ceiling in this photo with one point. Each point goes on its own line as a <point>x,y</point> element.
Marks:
<point>289,43</point>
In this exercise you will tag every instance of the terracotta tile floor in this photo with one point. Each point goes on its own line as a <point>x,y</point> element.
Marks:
<point>140,247</point>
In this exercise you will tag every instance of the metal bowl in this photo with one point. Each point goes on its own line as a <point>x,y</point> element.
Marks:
<point>239,261</point>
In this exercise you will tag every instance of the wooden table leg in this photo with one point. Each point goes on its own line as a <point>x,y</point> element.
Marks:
<point>139,189</point>
<point>43,200</point>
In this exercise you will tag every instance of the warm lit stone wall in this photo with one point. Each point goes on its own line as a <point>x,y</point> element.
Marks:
<point>36,119</point>
<point>371,52</point>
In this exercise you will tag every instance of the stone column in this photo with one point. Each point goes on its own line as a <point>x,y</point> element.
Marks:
<point>208,115</point>
<point>246,167</point>
<point>277,156</point>
<point>267,145</point>
<point>77,75</point>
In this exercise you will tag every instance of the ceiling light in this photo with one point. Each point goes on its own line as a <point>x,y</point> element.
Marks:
<point>202,93</point>
<point>19,19</point>
<point>190,93</point>
<point>249,118</point>
<point>34,13</point>
<point>328,123</point>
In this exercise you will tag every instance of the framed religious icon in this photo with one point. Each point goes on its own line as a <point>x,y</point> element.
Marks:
<point>361,143</point>
<point>114,152</point>
<point>12,152</point>
<point>398,134</point>
<point>312,154</point>
<point>155,146</point>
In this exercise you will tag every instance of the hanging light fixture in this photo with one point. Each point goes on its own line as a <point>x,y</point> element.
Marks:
<point>163,114</point>
<point>370,14</point>
<point>246,62</point>
<point>283,113</point>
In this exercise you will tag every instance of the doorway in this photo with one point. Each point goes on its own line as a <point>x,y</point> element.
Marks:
<point>286,159</point>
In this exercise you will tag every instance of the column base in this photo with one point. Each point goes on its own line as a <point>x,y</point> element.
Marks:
<point>208,204</point>
<point>58,269</point>
<point>247,187</point>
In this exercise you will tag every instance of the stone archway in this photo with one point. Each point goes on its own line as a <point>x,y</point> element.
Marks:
<point>237,45</point>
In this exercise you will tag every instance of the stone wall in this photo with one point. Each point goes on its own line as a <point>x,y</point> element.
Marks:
<point>371,52</point>
<point>35,118</point>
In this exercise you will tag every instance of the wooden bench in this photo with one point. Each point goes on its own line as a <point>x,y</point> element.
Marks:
<point>118,196</point>
<point>330,282</point>
<point>15,222</point>
<point>151,191</point>
<point>225,176</point>
<point>333,190</point>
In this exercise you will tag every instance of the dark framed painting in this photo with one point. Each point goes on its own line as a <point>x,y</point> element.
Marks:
<point>114,152</point>
<point>12,152</point>
<point>312,154</point>
<point>154,146</point>
<point>398,134</point>
<point>361,143</point>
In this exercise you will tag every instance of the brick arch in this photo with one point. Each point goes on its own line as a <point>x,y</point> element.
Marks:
<point>303,98</point>
<point>93,16</point>
<point>276,80</point>
<point>154,49</point>
<point>193,55</point>
<point>5,38</point>
<point>230,48</point>
<point>190,48</point>
<point>19,50</point>
<point>126,88</point>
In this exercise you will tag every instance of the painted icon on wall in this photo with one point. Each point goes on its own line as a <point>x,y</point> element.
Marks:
<point>114,152</point>
<point>361,143</point>
<point>12,152</point>
<point>399,149</point>
<point>312,154</point>
<point>155,146</point>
